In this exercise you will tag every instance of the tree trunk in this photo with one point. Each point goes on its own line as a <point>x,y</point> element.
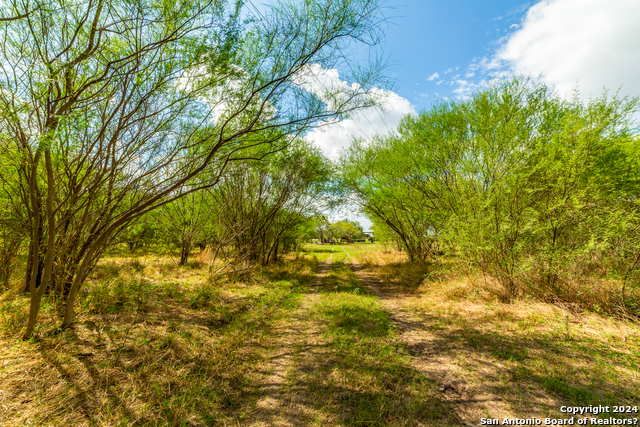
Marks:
<point>34,309</point>
<point>87,264</point>
<point>30,260</point>
<point>184,252</point>
<point>275,252</point>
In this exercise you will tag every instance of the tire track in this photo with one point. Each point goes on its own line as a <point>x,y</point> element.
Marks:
<point>469,402</point>
<point>300,338</point>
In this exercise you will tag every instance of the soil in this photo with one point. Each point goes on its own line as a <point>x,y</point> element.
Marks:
<point>301,339</point>
<point>470,396</point>
<point>470,401</point>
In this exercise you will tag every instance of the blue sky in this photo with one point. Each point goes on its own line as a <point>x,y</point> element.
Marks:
<point>425,37</point>
<point>447,49</point>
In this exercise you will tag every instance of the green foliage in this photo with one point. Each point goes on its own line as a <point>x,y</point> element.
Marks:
<point>346,229</point>
<point>537,191</point>
<point>142,233</point>
<point>263,208</point>
<point>111,110</point>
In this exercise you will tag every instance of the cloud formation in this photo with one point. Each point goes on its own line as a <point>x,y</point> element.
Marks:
<point>365,123</point>
<point>589,44</point>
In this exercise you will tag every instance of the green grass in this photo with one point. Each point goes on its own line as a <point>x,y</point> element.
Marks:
<point>338,253</point>
<point>153,352</point>
<point>365,377</point>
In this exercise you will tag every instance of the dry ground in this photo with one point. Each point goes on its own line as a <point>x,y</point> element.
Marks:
<point>340,336</point>
<point>298,337</point>
<point>523,359</point>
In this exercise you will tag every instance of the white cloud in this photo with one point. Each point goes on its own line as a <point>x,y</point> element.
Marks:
<point>433,76</point>
<point>465,88</point>
<point>332,137</point>
<point>326,84</point>
<point>589,43</point>
<point>366,123</point>
<point>584,44</point>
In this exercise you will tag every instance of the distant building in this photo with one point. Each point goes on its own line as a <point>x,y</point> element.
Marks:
<point>368,236</point>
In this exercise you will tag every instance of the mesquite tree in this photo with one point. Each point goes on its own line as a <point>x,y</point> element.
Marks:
<point>107,109</point>
<point>536,190</point>
<point>185,222</point>
<point>259,206</point>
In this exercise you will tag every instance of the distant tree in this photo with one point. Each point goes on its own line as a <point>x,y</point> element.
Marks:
<point>322,228</point>
<point>185,222</point>
<point>346,229</point>
<point>142,233</point>
<point>108,109</point>
<point>532,188</point>
<point>261,206</point>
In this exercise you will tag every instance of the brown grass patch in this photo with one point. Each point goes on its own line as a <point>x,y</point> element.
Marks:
<point>522,357</point>
<point>153,345</point>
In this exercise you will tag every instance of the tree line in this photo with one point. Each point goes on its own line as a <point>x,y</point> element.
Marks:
<point>257,211</point>
<point>349,230</point>
<point>535,190</point>
<point>111,111</point>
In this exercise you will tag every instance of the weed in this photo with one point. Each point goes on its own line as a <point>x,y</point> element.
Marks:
<point>366,378</point>
<point>193,358</point>
<point>527,352</point>
<point>203,296</point>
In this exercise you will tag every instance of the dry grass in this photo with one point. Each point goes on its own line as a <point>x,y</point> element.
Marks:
<point>158,344</point>
<point>582,293</point>
<point>364,377</point>
<point>528,355</point>
<point>154,344</point>
<point>394,268</point>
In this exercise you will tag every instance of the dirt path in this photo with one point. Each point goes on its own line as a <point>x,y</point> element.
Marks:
<point>300,338</point>
<point>429,355</point>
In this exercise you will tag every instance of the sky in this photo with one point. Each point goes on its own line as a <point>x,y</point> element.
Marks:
<point>441,50</point>
<point>447,49</point>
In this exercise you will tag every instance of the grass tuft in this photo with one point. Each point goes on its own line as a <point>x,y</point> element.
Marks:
<point>150,348</point>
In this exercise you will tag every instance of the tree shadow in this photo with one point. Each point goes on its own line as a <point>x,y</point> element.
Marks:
<point>87,395</point>
<point>168,364</point>
<point>321,249</point>
<point>533,370</point>
<point>361,374</point>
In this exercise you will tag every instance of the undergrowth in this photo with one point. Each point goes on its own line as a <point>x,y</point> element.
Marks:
<point>151,346</point>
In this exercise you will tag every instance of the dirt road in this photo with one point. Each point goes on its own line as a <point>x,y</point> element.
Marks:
<point>301,386</point>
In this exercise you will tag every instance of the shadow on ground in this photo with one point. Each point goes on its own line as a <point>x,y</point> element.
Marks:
<point>500,367</point>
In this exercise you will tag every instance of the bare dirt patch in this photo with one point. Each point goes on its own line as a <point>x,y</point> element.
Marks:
<point>300,338</point>
<point>496,359</point>
<point>471,397</point>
